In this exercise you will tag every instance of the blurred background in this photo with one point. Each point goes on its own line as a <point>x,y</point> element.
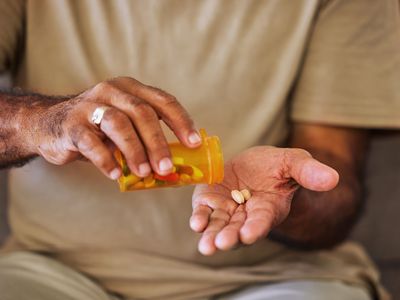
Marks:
<point>378,229</point>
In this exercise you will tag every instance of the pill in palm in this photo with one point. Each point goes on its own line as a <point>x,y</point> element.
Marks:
<point>237,196</point>
<point>246,194</point>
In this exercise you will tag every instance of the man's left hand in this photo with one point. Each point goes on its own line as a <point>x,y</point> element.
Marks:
<point>272,175</point>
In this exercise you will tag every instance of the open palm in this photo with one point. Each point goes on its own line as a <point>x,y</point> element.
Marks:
<point>272,175</point>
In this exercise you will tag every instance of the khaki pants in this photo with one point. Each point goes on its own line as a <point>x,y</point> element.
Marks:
<point>25,275</point>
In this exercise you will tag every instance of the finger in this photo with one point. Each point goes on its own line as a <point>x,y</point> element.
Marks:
<point>229,237</point>
<point>309,172</point>
<point>199,218</point>
<point>218,219</point>
<point>260,217</point>
<point>119,129</point>
<point>169,110</point>
<point>148,128</point>
<point>93,148</point>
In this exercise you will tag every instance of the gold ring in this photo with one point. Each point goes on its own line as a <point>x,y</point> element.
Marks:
<point>98,114</point>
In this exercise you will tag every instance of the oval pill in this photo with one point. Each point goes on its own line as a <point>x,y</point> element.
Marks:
<point>237,196</point>
<point>246,194</point>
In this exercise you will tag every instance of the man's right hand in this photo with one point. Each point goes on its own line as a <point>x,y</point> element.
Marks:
<point>64,131</point>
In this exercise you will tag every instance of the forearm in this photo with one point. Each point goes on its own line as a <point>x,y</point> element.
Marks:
<point>19,116</point>
<point>322,220</point>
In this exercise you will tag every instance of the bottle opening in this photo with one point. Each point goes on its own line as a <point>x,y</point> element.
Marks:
<point>215,157</point>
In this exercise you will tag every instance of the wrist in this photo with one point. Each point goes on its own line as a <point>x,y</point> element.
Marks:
<point>28,129</point>
<point>33,121</point>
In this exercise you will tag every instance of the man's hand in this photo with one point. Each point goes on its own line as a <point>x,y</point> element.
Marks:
<point>272,175</point>
<point>62,132</point>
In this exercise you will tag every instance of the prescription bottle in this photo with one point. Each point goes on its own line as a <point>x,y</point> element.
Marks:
<point>203,164</point>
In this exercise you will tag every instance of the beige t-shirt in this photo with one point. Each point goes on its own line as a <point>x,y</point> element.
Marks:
<point>235,65</point>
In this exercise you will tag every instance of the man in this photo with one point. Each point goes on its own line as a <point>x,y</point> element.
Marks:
<point>234,65</point>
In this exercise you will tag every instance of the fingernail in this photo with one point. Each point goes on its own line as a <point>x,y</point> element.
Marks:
<point>165,164</point>
<point>144,169</point>
<point>194,138</point>
<point>115,174</point>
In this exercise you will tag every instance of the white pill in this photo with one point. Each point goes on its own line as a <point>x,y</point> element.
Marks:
<point>246,194</point>
<point>237,196</point>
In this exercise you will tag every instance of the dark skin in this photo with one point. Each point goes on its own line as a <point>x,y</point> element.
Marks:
<point>318,215</point>
<point>322,220</point>
<point>60,128</point>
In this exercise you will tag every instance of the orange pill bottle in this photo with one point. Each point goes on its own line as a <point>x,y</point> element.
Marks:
<point>203,164</point>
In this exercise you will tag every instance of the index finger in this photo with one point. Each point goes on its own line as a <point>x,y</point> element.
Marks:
<point>169,110</point>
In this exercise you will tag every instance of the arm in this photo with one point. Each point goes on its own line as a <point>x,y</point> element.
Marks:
<point>16,112</point>
<point>61,130</point>
<point>320,220</point>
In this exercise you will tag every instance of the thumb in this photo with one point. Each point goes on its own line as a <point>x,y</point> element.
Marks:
<point>310,173</point>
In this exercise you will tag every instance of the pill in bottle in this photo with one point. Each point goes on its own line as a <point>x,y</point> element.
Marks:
<point>200,165</point>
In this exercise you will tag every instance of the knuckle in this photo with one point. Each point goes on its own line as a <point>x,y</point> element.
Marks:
<point>131,139</point>
<point>164,97</point>
<point>301,152</point>
<point>184,120</point>
<point>76,134</point>
<point>157,140</point>
<point>173,112</point>
<point>86,143</point>
<point>104,87</point>
<point>114,120</point>
<point>137,155</point>
<point>141,109</point>
<point>137,104</point>
<point>170,100</point>
<point>135,146</point>
<point>127,79</point>
<point>111,114</point>
<point>102,161</point>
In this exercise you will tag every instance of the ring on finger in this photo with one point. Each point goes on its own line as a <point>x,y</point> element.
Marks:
<point>98,114</point>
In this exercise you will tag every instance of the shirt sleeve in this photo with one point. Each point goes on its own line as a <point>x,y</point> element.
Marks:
<point>11,30</point>
<point>351,70</point>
